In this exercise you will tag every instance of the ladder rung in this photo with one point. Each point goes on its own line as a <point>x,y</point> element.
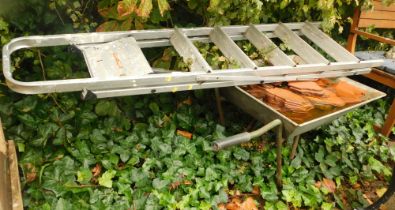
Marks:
<point>298,45</point>
<point>229,48</point>
<point>118,58</point>
<point>188,51</point>
<point>266,46</point>
<point>326,43</point>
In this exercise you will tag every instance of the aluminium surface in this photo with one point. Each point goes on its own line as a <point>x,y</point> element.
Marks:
<point>265,113</point>
<point>201,76</point>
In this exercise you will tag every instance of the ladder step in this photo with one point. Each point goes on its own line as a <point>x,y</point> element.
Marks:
<point>266,46</point>
<point>326,43</point>
<point>118,58</point>
<point>298,45</point>
<point>188,51</point>
<point>230,49</point>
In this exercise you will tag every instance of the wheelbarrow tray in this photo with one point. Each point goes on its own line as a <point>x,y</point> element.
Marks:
<point>265,113</point>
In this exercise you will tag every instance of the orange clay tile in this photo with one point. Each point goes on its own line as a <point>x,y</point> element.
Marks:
<point>349,93</point>
<point>332,99</point>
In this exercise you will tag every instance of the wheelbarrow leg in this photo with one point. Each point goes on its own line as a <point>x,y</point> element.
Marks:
<point>294,146</point>
<point>219,107</point>
<point>279,142</point>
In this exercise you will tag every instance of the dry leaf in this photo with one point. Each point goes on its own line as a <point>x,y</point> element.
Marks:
<point>367,199</point>
<point>96,170</point>
<point>31,174</point>
<point>356,186</point>
<point>256,190</point>
<point>185,134</point>
<point>187,182</point>
<point>329,185</point>
<point>174,185</point>
<point>163,6</point>
<point>318,184</point>
<point>126,7</point>
<point>249,204</point>
<point>221,206</point>
<point>234,204</point>
<point>144,9</point>
<point>380,192</point>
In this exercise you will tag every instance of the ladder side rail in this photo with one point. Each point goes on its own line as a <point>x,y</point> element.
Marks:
<point>70,85</point>
<point>288,77</point>
<point>102,37</point>
<point>216,84</point>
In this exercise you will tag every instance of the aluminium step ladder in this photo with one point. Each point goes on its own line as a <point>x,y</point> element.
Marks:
<point>118,66</point>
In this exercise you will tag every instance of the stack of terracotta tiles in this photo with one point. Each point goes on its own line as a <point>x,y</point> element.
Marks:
<point>303,96</point>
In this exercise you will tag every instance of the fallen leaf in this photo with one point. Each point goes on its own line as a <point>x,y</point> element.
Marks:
<point>96,170</point>
<point>249,204</point>
<point>356,186</point>
<point>233,206</point>
<point>256,190</point>
<point>31,174</point>
<point>318,184</point>
<point>380,192</point>
<point>175,185</point>
<point>187,182</point>
<point>367,199</point>
<point>185,134</point>
<point>221,206</point>
<point>329,185</point>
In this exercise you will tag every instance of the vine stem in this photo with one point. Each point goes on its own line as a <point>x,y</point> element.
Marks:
<point>41,64</point>
<point>44,77</point>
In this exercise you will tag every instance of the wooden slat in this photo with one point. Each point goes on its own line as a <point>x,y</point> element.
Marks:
<point>16,192</point>
<point>380,15</point>
<point>298,45</point>
<point>264,44</point>
<point>323,41</point>
<point>5,190</point>
<point>363,23</point>
<point>378,5</point>
<point>229,48</point>
<point>382,77</point>
<point>373,36</point>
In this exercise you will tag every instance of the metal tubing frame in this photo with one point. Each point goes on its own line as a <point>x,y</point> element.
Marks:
<point>247,136</point>
<point>156,38</point>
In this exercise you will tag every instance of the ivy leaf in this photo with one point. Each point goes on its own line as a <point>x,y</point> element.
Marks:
<point>27,104</point>
<point>106,179</point>
<point>144,9</point>
<point>126,7</point>
<point>84,176</point>
<point>213,5</point>
<point>326,206</point>
<point>111,25</point>
<point>319,156</point>
<point>160,184</point>
<point>281,205</point>
<point>163,6</point>
<point>107,108</point>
